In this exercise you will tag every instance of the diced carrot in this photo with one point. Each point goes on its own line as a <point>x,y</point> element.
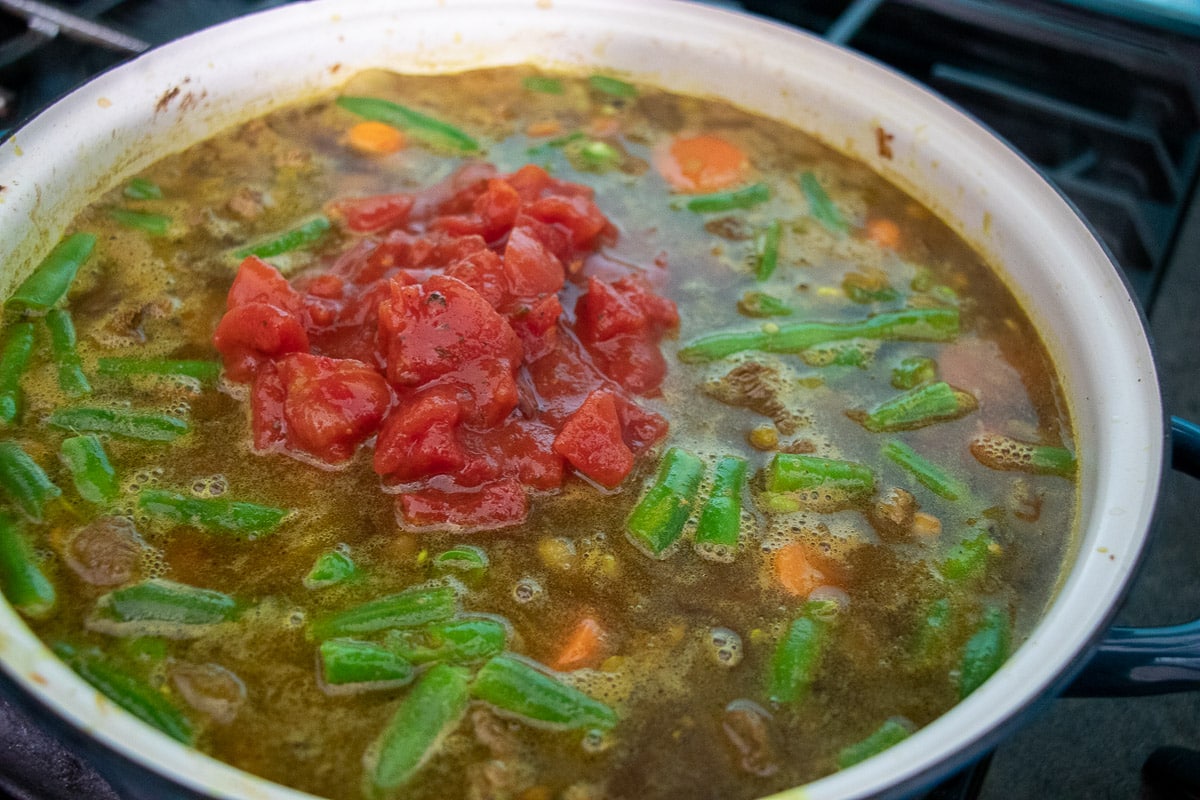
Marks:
<point>796,570</point>
<point>583,648</point>
<point>703,163</point>
<point>545,127</point>
<point>603,127</point>
<point>883,232</point>
<point>375,138</point>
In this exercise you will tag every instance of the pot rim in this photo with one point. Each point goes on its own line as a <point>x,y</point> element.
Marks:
<point>942,157</point>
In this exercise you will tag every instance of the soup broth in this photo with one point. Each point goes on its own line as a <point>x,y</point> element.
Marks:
<point>821,519</point>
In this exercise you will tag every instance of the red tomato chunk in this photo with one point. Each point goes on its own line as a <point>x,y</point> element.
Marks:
<point>440,334</point>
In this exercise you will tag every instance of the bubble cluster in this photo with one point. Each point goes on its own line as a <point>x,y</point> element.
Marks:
<point>212,486</point>
<point>724,646</point>
<point>527,590</point>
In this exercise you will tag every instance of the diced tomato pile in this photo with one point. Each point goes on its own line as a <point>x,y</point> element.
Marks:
<point>474,330</point>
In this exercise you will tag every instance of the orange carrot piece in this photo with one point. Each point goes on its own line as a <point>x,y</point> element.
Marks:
<point>703,163</point>
<point>543,128</point>
<point>583,648</point>
<point>375,138</point>
<point>796,571</point>
<point>883,232</point>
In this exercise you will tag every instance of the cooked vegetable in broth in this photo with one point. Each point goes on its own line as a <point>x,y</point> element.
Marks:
<point>520,435</point>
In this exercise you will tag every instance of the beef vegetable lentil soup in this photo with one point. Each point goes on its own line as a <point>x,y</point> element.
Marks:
<point>516,435</point>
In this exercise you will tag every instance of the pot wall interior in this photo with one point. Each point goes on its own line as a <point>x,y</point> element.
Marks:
<point>179,94</point>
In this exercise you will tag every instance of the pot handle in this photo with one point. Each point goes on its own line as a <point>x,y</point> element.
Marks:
<point>1142,661</point>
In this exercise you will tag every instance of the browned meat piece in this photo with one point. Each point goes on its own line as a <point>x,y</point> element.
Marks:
<point>246,203</point>
<point>747,728</point>
<point>892,515</point>
<point>209,688</point>
<point>734,228</point>
<point>799,447</point>
<point>105,552</point>
<point>756,387</point>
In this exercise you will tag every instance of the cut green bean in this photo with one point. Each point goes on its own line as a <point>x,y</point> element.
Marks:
<point>237,517</point>
<point>967,559</point>
<point>142,189</point>
<point>612,86</point>
<point>298,238</point>
<point>464,558</point>
<point>419,126</point>
<point>53,277</point>
<point>766,250</point>
<point>798,654</point>
<point>914,371</point>
<point>928,474</point>
<point>130,693</point>
<point>543,85</point>
<point>24,583</point>
<point>1005,453</point>
<point>721,516</point>
<point>121,422</point>
<point>820,205</point>
<point>93,474</point>
<point>916,408</point>
<point>761,304</point>
<point>153,224</point>
<point>890,733</point>
<point>658,519</point>
<point>431,711</point>
<point>911,324</point>
<point>162,601</point>
<point>25,483</point>
<point>794,472</point>
<point>122,367</point>
<point>465,640</point>
<point>350,662</point>
<point>71,379</point>
<point>14,359</point>
<point>746,197</point>
<point>518,686</point>
<point>985,651</point>
<point>411,608</point>
<point>331,567</point>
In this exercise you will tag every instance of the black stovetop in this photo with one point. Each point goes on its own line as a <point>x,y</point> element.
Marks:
<point>1106,102</point>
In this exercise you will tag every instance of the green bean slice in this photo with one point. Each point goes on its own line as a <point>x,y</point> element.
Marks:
<point>125,423</point>
<point>410,608</point>
<point>240,518</point>
<point>93,474</point>
<point>889,734</point>
<point>746,197</point>
<point>431,711</point>
<point>985,651</point>
<point>657,521</point>
<point>297,238</point>
<point>350,662</point>
<point>53,277</point>
<point>25,584</point>
<point>14,359</point>
<point>130,693</point>
<point>820,205</point>
<point>71,379</point>
<point>25,483</point>
<point>525,689</point>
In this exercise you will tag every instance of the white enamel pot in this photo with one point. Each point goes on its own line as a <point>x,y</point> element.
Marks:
<point>180,93</point>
